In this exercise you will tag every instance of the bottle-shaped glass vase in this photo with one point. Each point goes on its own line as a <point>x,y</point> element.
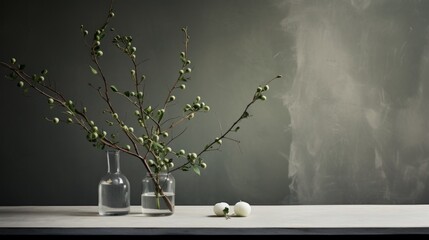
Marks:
<point>114,188</point>
<point>158,194</point>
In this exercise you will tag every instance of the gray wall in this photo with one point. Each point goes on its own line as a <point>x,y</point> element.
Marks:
<point>347,124</point>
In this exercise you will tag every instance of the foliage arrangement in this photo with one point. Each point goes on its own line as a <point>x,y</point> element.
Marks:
<point>149,137</point>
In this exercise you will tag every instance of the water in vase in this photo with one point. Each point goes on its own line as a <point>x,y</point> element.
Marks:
<point>115,199</point>
<point>157,205</point>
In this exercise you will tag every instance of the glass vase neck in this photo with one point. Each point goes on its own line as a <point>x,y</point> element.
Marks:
<point>113,161</point>
<point>148,174</point>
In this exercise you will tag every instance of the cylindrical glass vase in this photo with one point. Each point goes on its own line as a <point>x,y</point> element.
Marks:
<point>113,189</point>
<point>158,194</point>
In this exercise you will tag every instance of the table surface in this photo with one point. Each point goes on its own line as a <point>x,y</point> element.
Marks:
<point>291,219</point>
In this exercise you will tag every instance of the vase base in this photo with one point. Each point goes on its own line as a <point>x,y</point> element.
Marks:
<point>158,214</point>
<point>113,213</point>
<point>109,211</point>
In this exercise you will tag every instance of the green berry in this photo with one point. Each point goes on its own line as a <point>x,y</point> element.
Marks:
<point>56,120</point>
<point>259,89</point>
<point>181,152</point>
<point>85,32</point>
<point>151,162</point>
<point>266,88</point>
<point>182,54</point>
<point>131,129</point>
<point>171,165</point>
<point>111,14</point>
<point>91,123</point>
<point>182,86</point>
<point>99,53</point>
<point>13,60</point>
<point>206,108</point>
<point>263,98</point>
<point>50,100</point>
<point>115,116</point>
<point>188,62</point>
<point>203,165</point>
<point>188,70</point>
<point>128,147</point>
<point>69,120</point>
<point>198,98</point>
<point>172,98</point>
<point>279,76</point>
<point>140,140</point>
<point>95,128</point>
<point>97,43</point>
<point>94,135</point>
<point>133,72</point>
<point>168,149</point>
<point>20,84</point>
<point>137,112</point>
<point>165,134</point>
<point>133,49</point>
<point>155,138</point>
<point>44,71</point>
<point>181,72</point>
<point>219,141</point>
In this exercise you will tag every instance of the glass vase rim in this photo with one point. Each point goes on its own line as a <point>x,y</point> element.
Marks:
<point>160,173</point>
<point>113,151</point>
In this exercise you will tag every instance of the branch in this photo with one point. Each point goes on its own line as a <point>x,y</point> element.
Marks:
<point>256,96</point>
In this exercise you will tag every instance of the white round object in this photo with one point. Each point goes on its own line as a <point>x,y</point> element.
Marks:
<point>242,209</point>
<point>219,207</point>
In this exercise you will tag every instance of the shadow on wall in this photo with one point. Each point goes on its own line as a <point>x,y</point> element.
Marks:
<point>358,103</point>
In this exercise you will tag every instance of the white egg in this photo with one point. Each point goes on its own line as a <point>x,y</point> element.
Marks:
<point>219,207</point>
<point>242,209</point>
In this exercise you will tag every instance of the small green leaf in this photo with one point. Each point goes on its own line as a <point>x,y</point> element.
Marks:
<point>93,70</point>
<point>157,146</point>
<point>196,170</point>
<point>160,114</point>
<point>114,89</point>
<point>226,210</point>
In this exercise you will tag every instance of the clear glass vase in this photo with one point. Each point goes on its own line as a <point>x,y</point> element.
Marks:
<point>158,194</point>
<point>113,189</point>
